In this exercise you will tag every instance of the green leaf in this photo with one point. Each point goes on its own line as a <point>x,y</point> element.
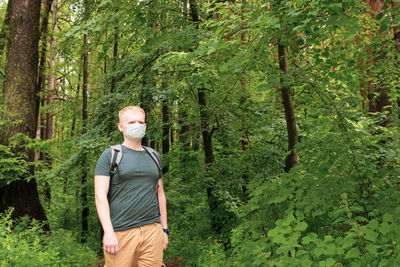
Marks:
<point>388,217</point>
<point>371,248</point>
<point>348,242</point>
<point>353,253</point>
<point>330,262</point>
<point>370,235</point>
<point>384,228</point>
<point>309,238</point>
<point>301,226</point>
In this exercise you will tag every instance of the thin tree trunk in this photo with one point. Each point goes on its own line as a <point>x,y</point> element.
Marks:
<point>145,103</point>
<point>396,39</point>
<point>243,84</point>
<point>111,126</point>
<point>216,207</point>
<point>44,35</point>
<point>44,26</point>
<point>4,28</point>
<point>115,58</point>
<point>84,197</point>
<point>20,102</point>
<point>51,93</point>
<point>378,97</point>
<point>183,137</point>
<point>165,132</point>
<point>287,101</point>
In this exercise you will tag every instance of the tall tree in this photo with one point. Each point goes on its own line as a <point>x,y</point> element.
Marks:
<point>20,102</point>
<point>52,87</point>
<point>376,93</point>
<point>287,101</point>
<point>165,131</point>
<point>84,192</point>
<point>4,30</point>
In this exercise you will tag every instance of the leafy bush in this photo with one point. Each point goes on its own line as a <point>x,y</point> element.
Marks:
<point>335,209</point>
<point>23,243</point>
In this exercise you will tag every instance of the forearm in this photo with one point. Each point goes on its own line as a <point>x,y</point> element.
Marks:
<point>162,202</point>
<point>103,211</point>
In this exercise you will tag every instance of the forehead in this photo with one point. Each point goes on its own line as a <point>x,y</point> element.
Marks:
<point>132,115</point>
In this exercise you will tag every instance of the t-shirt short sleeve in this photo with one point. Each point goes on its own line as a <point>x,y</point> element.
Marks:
<point>103,164</point>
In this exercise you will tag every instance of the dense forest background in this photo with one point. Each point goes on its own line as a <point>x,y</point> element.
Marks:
<point>278,123</point>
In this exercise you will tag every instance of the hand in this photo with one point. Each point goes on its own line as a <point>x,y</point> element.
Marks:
<point>110,243</point>
<point>165,241</point>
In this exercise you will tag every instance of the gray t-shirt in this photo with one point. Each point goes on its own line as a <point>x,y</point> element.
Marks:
<point>133,192</point>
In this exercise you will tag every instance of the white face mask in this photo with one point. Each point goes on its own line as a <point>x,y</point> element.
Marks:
<point>135,131</point>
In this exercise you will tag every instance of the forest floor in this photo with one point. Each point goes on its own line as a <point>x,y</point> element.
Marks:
<point>167,263</point>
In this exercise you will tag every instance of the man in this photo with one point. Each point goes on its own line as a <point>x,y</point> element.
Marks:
<point>134,213</point>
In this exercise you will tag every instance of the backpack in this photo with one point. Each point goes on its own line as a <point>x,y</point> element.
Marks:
<point>116,156</point>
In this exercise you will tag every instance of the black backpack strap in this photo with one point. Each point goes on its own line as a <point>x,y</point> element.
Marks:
<point>156,157</point>
<point>116,156</point>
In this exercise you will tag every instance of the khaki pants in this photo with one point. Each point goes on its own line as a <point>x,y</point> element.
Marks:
<point>138,247</point>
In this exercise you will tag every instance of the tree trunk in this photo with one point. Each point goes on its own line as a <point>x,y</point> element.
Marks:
<point>43,34</point>
<point>20,102</point>
<point>85,81</point>
<point>377,94</point>
<point>165,132</point>
<point>84,197</point>
<point>205,125</point>
<point>145,103</point>
<point>51,92</point>
<point>183,137</point>
<point>111,126</point>
<point>4,28</point>
<point>396,39</point>
<point>217,209</point>
<point>243,84</point>
<point>44,26</point>
<point>52,78</point>
<point>287,101</point>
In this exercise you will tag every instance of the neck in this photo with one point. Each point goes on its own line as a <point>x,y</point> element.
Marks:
<point>135,145</point>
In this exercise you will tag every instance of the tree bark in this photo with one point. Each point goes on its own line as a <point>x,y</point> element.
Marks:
<point>145,103</point>
<point>44,26</point>
<point>110,122</point>
<point>20,102</point>
<point>44,35</point>
<point>51,92</point>
<point>165,132</point>
<point>52,78</point>
<point>243,84</point>
<point>205,126</point>
<point>396,39</point>
<point>377,94</point>
<point>287,101</point>
<point>84,197</point>
<point>4,28</point>
<point>183,137</point>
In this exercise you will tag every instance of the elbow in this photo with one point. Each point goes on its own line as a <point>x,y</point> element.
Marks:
<point>100,198</point>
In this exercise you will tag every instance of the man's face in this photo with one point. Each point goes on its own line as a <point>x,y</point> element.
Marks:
<point>130,117</point>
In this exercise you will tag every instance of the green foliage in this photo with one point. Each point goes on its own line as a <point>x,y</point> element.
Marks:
<point>23,243</point>
<point>336,208</point>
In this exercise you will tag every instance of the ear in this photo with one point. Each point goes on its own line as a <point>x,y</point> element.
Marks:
<point>145,126</point>
<point>120,127</point>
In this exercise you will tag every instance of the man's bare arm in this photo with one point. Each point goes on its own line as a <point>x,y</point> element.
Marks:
<point>162,203</point>
<point>101,186</point>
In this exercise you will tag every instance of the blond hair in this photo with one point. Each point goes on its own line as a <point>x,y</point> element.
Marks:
<point>133,108</point>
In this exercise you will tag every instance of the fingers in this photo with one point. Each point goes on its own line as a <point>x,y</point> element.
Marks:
<point>111,249</point>
<point>165,241</point>
<point>110,243</point>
